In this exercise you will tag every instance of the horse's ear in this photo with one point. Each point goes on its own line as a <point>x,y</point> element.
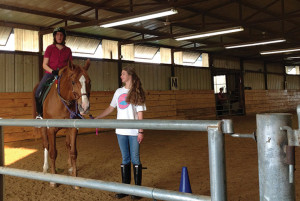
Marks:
<point>87,64</point>
<point>70,65</point>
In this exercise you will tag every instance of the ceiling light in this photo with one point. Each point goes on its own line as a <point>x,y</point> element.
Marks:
<point>211,33</point>
<point>255,43</point>
<point>294,57</point>
<point>280,51</point>
<point>142,17</point>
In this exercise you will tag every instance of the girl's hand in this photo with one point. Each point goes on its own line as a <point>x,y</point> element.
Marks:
<point>140,138</point>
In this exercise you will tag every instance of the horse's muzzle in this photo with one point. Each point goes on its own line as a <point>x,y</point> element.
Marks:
<point>83,110</point>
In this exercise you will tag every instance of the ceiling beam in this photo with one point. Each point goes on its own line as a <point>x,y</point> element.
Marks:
<point>19,26</point>
<point>41,13</point>
<point>70,17</point>
<point>260,10</point>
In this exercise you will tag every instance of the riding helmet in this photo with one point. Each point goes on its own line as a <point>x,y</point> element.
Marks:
<point>59,29</point>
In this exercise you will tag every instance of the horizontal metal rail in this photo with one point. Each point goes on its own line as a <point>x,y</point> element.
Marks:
<point>147,192</point>
<point>218,184</point>
<point>187,125</point>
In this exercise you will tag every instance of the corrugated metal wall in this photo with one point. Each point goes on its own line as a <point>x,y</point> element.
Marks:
<point>190,78</point>
<point>153,76</point>
<point>103,74</point>
<point>275,81</point>
<point>254,65</point>
<point>254,80</point>
<point>275,68</point>
<point>293,82</point>
<point>19,73</point>
<point>228,63</point>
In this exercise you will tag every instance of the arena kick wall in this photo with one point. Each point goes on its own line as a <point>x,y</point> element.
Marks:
<point>195,98</point>
<point>160,105</point>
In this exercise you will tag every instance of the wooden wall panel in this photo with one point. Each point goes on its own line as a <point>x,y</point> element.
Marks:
<point>195,104</point>
<point>181,104</point>
<point>258,101</point>
<point>160,105</point>
<point>254,80</point>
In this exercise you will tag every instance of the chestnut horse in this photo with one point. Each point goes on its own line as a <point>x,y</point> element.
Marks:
<point>71,93</point>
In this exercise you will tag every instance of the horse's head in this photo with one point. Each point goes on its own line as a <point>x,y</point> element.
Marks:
<point>80,85</point>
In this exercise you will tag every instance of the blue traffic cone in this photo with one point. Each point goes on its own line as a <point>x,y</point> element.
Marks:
<point>185,186</point>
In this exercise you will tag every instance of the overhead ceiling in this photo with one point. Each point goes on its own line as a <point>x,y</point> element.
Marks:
<point>261,20</point>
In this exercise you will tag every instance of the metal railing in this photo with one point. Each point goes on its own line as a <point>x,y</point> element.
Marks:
<point>215,129</point>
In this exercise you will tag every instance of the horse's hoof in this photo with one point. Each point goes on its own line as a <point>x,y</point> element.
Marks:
<point>53,185</point>
<point>76,187</point>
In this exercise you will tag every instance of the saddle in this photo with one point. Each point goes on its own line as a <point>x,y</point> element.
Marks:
<point>43,94</point>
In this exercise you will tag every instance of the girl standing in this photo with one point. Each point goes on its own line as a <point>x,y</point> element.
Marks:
<point>130,103</point>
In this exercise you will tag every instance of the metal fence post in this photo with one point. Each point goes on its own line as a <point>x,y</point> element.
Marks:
<point>1,163</point>
<point>271,146</point>
<point>217,168</point>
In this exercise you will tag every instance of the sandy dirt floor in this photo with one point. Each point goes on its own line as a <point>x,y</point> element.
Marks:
<point>164,153</point>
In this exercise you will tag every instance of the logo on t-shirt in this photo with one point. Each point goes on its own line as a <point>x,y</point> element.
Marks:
<point>122,101</point>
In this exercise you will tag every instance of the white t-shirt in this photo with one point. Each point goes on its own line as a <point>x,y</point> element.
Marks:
<point>126,110</point>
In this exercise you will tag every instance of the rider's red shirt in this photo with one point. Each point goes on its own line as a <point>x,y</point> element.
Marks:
<point>58,58</point>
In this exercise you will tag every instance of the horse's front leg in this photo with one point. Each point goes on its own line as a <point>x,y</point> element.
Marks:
<point>71,145</point>
<point>52,151</point>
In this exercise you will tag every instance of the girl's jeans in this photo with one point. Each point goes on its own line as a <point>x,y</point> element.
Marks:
<point>130,149</point>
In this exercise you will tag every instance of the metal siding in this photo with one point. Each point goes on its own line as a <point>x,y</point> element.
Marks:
<point>191,78</point>
<point>205,78</point>
<point>228,63</point>
<point>275,81</point>
<point>275,68</point>
<point>19,73</point>
<point>10,72</point>
<point>28,73</point>
<point>254,65</point>
<point>93,71</point>
<point>3,73</point>
<point>254,80</point>
<point>293,82</point>
<point>103,74</point>
<point>153,76</point>
<point>35,71</point>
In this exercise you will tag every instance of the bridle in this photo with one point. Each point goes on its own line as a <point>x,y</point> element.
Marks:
<point>67,103</point>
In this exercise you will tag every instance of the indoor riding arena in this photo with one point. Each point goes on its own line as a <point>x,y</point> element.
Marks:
<point>222,88</point>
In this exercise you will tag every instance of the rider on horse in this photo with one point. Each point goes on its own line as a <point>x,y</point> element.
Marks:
<point>56,57</point>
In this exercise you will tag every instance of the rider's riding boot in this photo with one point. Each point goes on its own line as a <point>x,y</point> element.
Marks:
<point>137,171</point>
<point>126,178</point>
<point>39,109</point>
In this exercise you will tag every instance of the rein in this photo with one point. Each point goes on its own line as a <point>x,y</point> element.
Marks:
<point>73,114</point>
